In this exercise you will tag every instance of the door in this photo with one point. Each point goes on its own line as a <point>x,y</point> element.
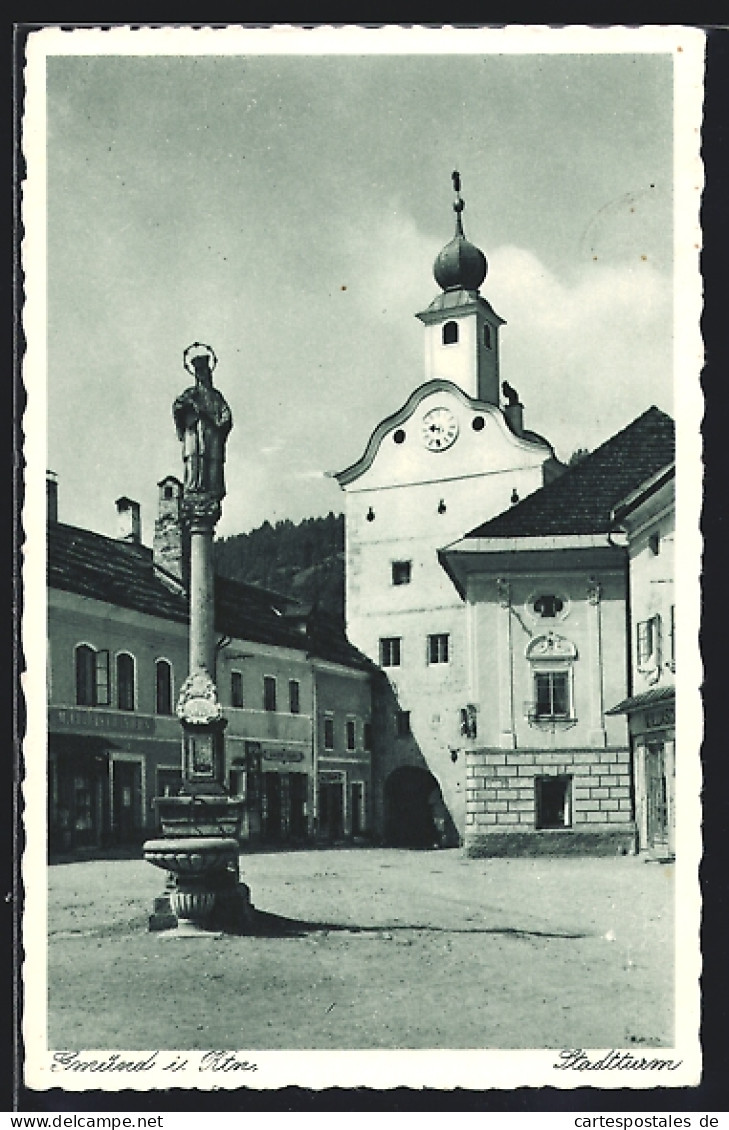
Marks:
<point>656,795</point>
<point>298,788</point>
<point>357,808</point>
<point>127,802</point>
<point>271,807</point>
<point>331,810</point>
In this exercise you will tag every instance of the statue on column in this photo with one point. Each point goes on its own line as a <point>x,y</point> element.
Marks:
<point>203,421</point>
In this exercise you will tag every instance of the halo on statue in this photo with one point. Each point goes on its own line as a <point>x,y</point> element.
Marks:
<point>198,349</point>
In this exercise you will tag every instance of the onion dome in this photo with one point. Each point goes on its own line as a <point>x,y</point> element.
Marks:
<point>460,265</point>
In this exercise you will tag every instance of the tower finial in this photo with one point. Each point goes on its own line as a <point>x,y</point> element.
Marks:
<point>458,203</point>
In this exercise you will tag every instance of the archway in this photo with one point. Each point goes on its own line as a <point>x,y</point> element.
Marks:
<point>413,809</point>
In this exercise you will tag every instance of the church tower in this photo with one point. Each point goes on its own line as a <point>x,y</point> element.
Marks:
<point>462,328</point>
<point>445,461</point>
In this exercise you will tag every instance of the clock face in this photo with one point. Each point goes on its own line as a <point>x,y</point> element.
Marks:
<point>440,429</point>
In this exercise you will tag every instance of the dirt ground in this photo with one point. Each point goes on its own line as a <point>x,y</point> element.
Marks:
<point>371,948</point>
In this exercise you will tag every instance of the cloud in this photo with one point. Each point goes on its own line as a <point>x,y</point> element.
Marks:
<point>602,336</point>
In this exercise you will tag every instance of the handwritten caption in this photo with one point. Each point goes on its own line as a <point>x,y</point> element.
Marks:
<point>156,1060</point>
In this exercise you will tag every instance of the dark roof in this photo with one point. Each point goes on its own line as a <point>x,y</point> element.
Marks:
<point>647,698</point>
<point>123,574</point>
<point>581,499</point>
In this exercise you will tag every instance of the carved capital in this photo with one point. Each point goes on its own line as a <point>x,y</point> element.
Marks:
<point>201,509</point>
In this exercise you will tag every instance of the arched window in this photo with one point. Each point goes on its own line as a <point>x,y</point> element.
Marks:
<point>450,333</point>
<point>92,676</point>
<point>125,681</point>
<point>163,687</point>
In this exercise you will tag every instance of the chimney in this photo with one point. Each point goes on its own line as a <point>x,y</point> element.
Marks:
<point>129,525</point>
<point>51,496</point>
<point>167,549</point>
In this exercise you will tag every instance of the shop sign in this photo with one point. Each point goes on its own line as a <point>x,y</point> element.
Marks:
<point>283,756</point>
<point>660,718</point>
<point>331,777</point>
<point>104,721</point>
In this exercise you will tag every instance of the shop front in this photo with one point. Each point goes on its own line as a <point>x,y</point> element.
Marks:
<point>104,769</point>
<point>652,723</point>
<point>274,781</point>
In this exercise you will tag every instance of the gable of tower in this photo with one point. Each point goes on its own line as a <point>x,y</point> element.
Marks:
<point>442,434</point>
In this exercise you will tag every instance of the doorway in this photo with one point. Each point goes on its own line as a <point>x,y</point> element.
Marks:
<point>127,801</point>
<point>415,815</point>
<point>656,796</point>
<point>331,810</point>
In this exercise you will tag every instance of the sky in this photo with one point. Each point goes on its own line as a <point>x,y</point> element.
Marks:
<point>287,209</point>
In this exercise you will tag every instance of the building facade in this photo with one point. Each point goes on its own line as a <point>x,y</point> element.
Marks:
<point>451,452</point>
<point>117,655</point>
<point>545,587</point>
<point>647,517</point>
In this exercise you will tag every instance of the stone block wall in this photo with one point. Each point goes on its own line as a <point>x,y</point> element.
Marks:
<point>501,806</point>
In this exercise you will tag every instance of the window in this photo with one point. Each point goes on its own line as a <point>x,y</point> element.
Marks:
<point>328,732</point>
<point>487,336</point>
<point>236,688</point>
<point>125,681</point>
<point>548,605</point>
<point>367,735</point>
<point>438,648</point>
<point>92,676</point>
<point>294,700</point>
<point>552,660</point>
<point>553,808</point>
<point>163,687</point>
<point>672,639</point>
<point>401,571</point>
<point>85,676</point>
<point>390,651</point>
<point>450,333</point>
<point>552,697</point>
<point>351,734</point>
<point>269,692</point>
<point>402,723</point>
<point>649,643</point>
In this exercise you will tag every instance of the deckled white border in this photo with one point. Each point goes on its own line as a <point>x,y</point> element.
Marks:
<point>477,1070</point>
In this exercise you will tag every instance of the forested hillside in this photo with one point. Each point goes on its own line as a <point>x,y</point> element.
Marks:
<point>304,560</point>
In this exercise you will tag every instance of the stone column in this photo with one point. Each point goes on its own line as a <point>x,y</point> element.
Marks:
<point>201,826</point>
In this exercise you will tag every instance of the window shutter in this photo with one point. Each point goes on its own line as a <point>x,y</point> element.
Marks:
<point>102,678</point>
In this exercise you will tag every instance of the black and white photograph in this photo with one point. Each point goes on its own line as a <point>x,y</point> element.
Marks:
<point>363,482</point>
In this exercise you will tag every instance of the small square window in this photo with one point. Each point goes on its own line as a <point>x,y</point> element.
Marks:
<point>553,807</point>
<point>236,688</point>
<point>390,651</point>
<point>438,648</point>
<point>328,732</point>
<point>402,723</point>
<point>401,572</point>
